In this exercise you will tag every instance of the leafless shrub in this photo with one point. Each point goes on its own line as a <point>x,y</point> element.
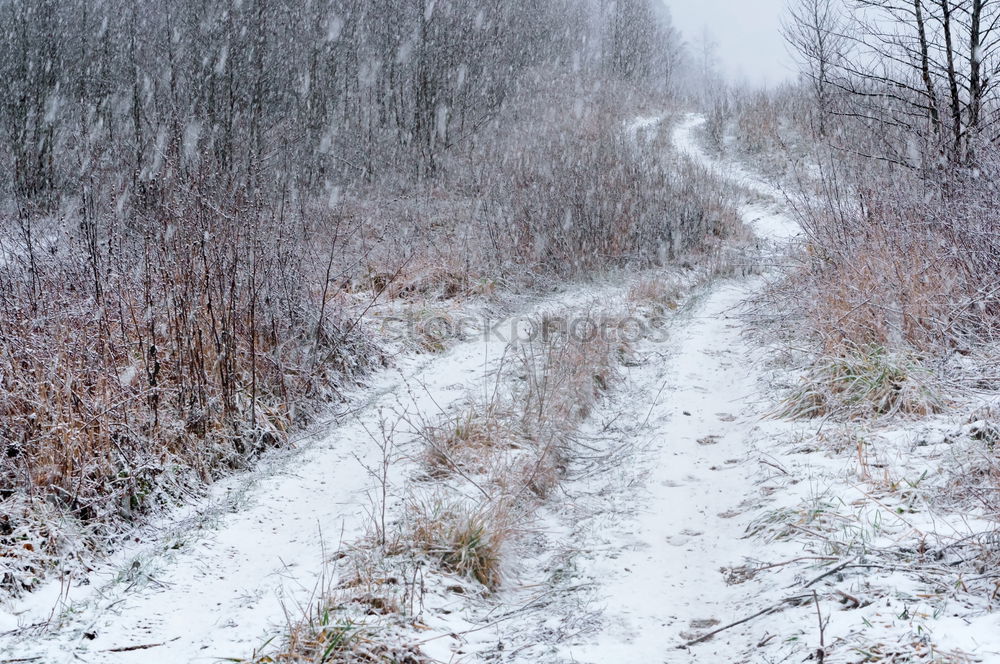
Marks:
<point>585,196</point>
<point>167,349</point>
<point>895,260</point>
<point>718,115</point>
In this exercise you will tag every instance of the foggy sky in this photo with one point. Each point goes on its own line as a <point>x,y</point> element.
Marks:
<point>750,46</point>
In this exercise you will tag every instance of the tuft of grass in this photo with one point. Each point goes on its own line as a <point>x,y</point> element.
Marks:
<point>867,382</point>
<point>657,294</point>
<point>465,538</point>
<point>466,440</point>
<point>486,469</point>
<point>331,638</point>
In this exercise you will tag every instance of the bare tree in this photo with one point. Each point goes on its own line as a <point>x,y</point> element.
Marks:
<point>916,73</point>
<point>815,31</point>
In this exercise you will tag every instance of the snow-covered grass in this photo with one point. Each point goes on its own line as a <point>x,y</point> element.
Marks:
<point>482,476</point>
<point>864,382</point>
<point>130,380</point>
<point>865,515</point>
<point>881,502</point>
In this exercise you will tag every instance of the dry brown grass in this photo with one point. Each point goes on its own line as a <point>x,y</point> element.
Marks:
<point>326,638</point>
<point>878,313</point>
<point>126,385</point>
<point>864,382</point>
<point>889,281</point>
<point>465,538</point>
<point>512,449</point>
<point>467,441</point>
<point>657,294</point>
<point>518,440</point>
<point>886,291</point>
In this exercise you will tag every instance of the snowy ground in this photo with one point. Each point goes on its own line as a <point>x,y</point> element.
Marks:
<point>651,523</point>
<point>696,510</point>
<point>690,510</point>
<point>651,540</point>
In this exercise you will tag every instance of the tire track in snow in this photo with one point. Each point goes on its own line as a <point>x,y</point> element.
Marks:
<point>660,544</point>
<point>215,583</point>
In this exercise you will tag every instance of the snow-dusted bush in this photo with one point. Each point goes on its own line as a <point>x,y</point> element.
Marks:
<point>896,259</point>
<point>582,194</point>
<point>146,353</point>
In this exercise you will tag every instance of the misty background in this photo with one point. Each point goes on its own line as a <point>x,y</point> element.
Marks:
<point>746,34</point>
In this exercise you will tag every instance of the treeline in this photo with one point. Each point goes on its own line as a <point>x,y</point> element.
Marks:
<point>303,95</point>
<point>918,76</point>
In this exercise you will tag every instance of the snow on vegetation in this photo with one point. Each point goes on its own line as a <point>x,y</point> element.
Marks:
<point>215,215</point>
<point>439,331</point>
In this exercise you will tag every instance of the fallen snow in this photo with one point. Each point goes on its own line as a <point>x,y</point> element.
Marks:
<point>215,580</point>
<point>690,509</point>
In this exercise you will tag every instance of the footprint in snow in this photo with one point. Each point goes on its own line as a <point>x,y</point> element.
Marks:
<point>704,624</point>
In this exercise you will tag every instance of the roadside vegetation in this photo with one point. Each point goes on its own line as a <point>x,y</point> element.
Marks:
<point>894,191</point>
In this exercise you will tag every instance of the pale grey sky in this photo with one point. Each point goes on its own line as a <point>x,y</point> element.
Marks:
<point>750,46</point>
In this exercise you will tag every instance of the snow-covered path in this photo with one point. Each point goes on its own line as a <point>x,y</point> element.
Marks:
<point>669,584</point>
<point>663,584</point>
<point>219,589</point>
<point>660,545</point>
<point>217,582</point>
<point>767,224</point>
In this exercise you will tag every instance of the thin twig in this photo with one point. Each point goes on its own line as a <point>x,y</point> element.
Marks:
<point>145,646</point>
<point>770,609</point>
